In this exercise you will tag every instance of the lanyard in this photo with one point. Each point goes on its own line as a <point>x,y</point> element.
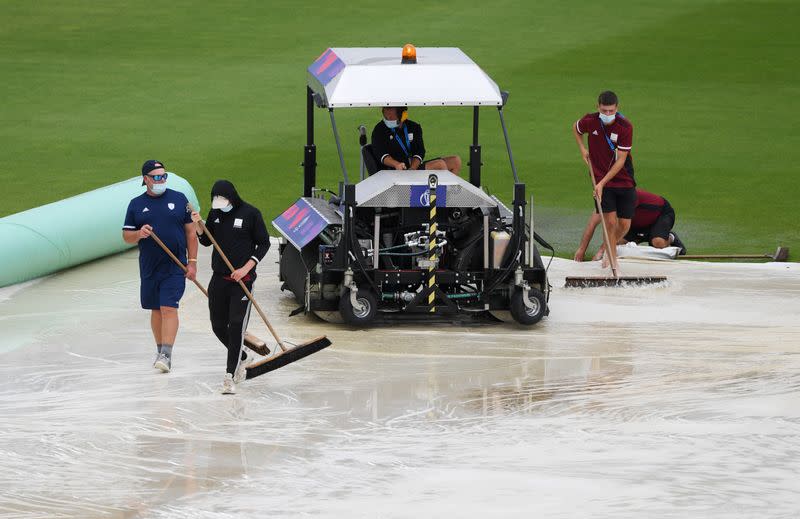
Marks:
<point>407,146</point>
<point>610,144</point>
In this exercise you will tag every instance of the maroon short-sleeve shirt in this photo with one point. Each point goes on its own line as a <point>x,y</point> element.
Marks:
<point>648,208</point>
<point>601,154</point>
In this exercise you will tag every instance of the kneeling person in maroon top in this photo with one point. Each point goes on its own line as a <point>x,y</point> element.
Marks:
<point>652,222</point>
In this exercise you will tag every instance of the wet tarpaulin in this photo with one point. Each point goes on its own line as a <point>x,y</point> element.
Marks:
<point>675,400</point>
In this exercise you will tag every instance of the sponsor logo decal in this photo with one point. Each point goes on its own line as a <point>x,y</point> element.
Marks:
<point>145,210</point>
<point>420,196</point>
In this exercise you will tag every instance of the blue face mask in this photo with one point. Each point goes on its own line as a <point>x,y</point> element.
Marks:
<point>607,119</point>
<point>390,124</point>
<point>227,208</point>
<point>159,189</point>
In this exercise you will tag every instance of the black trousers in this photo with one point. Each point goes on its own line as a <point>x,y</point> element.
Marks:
<point>229,309</point>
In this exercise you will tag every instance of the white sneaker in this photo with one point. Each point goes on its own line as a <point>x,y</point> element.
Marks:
<point>228,387</point>
<point>163,363</point>
<point>241,371</point>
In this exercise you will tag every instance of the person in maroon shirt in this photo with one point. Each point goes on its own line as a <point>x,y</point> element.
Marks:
<point>610,138</point>
<point>652,223</point>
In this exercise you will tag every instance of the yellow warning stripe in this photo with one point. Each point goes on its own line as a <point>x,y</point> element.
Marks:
<point>432,248</point>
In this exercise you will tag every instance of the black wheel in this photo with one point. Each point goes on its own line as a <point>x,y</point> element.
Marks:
<point>524,315</point>
<point>360,317</point>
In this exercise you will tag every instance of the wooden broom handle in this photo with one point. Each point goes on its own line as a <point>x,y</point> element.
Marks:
<point>241,284</point>
<point>612,255</point>
<point>176,260</point>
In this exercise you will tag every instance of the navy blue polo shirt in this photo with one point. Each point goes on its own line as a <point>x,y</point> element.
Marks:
<point>167,214</point>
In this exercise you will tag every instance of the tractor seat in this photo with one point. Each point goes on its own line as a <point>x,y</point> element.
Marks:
<point>370,162</point>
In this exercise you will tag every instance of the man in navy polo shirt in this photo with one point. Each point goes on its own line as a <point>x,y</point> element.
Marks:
<point>164,212</point>
<point>610,137</point>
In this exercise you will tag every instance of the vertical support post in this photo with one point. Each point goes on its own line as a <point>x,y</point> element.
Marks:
<point>531,254</point>
<point>433,182</point>
<point>376,241</point>
<point>310,150</point>
<point>486,242</point>
<point>338,145</point>
<point>475,152</point>
<point>518,222</point>
<point>349,203</point>
<point>508,145</point>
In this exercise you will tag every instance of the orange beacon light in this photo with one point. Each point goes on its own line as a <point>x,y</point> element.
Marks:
<point>409,54</point>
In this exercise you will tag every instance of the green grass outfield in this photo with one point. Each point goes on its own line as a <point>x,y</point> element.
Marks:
<point>217,90</point>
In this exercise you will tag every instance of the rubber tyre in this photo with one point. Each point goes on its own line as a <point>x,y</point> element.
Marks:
<point>524,315</point>
<point>353,318</point>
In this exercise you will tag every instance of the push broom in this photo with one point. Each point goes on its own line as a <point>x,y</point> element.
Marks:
<point>611,249</point>
<point>250,340</point>
<point>782,254</point>
<point>286,355</point>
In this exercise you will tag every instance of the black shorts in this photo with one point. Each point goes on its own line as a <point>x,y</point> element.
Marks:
<point>660,228</point>
<point>621,200</point>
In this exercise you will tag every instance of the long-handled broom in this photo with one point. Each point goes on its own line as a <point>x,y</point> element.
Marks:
<point>252,342</point>
<point>782,254</point>
<point>611,249</point>
<point>286,355</point>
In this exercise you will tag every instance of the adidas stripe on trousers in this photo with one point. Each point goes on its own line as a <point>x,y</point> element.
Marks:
<point>229,309</point>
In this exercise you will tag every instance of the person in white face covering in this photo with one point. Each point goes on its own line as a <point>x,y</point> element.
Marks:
<point>397,144</point>
<point>242,235</point>
<point>610,137</point>
<point>162,211</point>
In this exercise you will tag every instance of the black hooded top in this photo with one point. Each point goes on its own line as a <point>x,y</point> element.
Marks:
<point>241,232</point>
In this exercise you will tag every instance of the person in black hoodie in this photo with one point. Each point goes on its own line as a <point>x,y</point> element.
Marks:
<point>242,235</point>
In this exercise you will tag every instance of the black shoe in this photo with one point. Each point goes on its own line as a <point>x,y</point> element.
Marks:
<point>676,242</point>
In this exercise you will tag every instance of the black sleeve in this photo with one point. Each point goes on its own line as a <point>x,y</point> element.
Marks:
<point>418,145</point>
<point>380,144</point>
<point>260,237</point>
<point>203,238</point>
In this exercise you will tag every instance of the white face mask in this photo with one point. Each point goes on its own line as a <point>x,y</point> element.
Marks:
<point>221,203</point>
<point>607,119</point>
<point>159,189</point>
<point>390,124</point>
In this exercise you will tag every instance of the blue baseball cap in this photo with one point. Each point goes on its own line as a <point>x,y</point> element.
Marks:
<point>150,165</point>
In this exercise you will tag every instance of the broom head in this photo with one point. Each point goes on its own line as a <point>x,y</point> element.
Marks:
<point>623,281</point>
<point>287,357</point>
<point>256,344</point>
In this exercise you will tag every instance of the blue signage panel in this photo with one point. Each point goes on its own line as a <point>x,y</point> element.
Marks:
<point>327,66</point>
<point>300,224</point>
<point>420,196</point>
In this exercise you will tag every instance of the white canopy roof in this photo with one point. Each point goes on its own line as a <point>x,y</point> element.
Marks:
<point>361,77</point>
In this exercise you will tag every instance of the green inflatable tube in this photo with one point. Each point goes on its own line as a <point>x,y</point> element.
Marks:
<point>72,231</point>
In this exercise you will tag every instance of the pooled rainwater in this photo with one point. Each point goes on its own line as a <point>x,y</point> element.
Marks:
<point>665,401</point>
